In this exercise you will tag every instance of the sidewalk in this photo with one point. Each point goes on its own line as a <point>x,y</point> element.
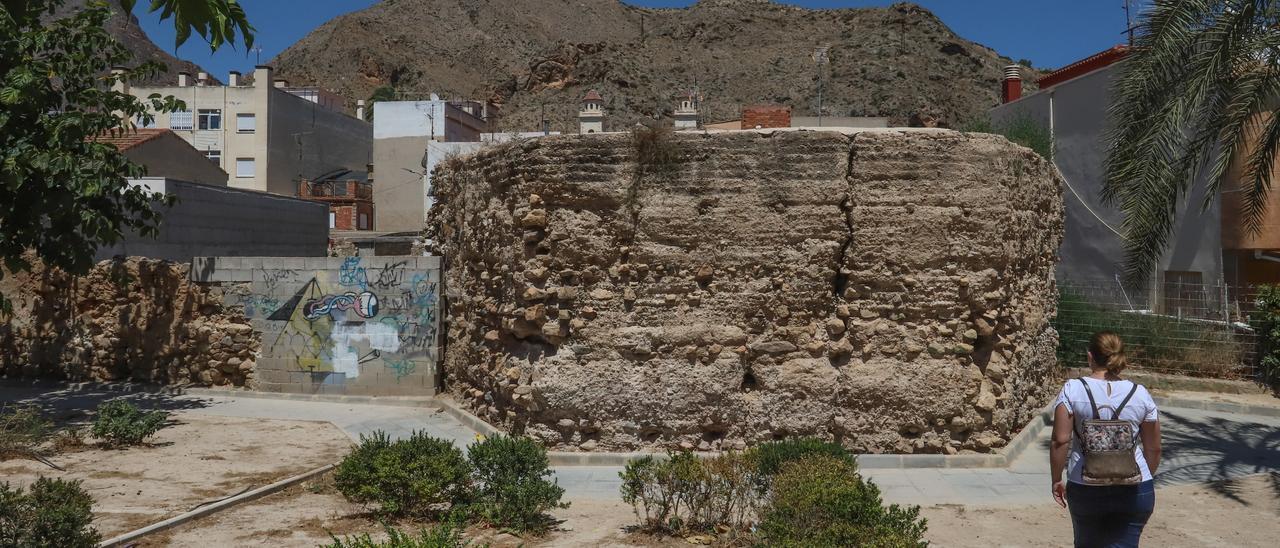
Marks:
<point>1199,446</point>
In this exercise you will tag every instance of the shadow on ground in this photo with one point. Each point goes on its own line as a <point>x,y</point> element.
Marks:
<point>1218,451</point>
<point>66,404</point>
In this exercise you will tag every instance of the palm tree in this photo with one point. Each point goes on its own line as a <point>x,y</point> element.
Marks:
<point>1200,88</point>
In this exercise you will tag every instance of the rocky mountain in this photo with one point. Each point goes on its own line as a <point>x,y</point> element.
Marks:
<point>541,56</point>
<point>124,27</point>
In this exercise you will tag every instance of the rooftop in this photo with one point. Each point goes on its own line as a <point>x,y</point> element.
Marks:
<point>126,139</point>
<point>1084,66</point>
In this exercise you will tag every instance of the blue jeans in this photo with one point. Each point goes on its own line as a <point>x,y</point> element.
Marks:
<point>1110,516</point>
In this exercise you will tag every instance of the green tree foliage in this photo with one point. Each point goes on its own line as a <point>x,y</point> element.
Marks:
<point>1266,320</point>
<point>383,93</point>
<point>63,194</point>
<point>1200,86</point>
<point>52,514</point>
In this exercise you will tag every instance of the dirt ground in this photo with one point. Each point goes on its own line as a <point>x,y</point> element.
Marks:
<point>196,459</point>
<point>1212,515</point>
<point>1244,512</point>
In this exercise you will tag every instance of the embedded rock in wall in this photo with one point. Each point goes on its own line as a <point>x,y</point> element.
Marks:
<point>890,290</point>
<point>136,320</point>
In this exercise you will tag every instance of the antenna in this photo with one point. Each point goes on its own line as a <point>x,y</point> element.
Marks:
<point>257,51</point>
<point>1128,20</point>
<point>819,60</point>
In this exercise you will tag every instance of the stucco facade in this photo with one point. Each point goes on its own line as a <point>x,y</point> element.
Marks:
<point>264,137</point>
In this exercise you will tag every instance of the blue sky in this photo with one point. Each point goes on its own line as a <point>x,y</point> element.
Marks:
<point>1050,33</point>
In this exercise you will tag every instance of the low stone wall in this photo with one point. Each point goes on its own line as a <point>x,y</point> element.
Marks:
<point>136,320</point>
<point>890,290</point>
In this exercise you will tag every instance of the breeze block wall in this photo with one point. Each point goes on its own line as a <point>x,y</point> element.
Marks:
<point>889,289</point>
<point>362,326</point>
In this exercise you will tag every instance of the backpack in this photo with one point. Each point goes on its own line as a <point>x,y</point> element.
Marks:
<point>1108,445</point>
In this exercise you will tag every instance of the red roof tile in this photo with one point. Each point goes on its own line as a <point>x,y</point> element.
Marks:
<point>125,139</point>
<point>1083,66</point>
<point>592,95</point>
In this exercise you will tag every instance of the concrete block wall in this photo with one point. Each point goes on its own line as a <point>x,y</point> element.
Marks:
<point>346,325</point>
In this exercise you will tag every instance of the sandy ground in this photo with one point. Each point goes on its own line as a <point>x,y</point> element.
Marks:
<point>196,459</point>
<point>1267,400</point>
<point>1242,513</point>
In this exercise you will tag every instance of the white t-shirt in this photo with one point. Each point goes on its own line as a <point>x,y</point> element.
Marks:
<point>1141,408</point>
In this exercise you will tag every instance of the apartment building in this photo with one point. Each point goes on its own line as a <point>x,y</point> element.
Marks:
<point>266,135</point>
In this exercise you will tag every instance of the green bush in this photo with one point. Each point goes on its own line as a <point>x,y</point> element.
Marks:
<point>684,493</point>
<point>1266,321</point>
<point>822,501</point>
<point>1020,129</point>
<point>120,423</point>
<point>512,486</point>
<point>438,536</point>
<point>52,513</point>
<point>772,456</point>
<point>22,430</point>
<point>413,476</point>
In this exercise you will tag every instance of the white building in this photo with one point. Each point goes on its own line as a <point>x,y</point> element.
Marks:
<point>265,135</point>
<point>591,117</point>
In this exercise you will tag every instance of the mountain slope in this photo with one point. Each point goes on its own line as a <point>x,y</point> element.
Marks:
<point>125,29</point>
<point>900,61</point>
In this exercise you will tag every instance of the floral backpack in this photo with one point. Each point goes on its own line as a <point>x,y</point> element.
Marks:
<point>1108,445</point>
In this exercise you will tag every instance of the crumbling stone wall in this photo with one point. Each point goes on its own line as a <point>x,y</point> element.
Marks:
<point>137,319</point>
<point>890,290</point>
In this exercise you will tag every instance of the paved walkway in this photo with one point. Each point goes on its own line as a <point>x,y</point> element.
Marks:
<point>1199,446</point>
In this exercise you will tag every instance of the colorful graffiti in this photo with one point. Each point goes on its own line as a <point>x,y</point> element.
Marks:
<point>363,304</point>
<point>379,317</point>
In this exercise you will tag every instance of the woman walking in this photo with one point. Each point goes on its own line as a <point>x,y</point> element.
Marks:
<point>1098,422</point>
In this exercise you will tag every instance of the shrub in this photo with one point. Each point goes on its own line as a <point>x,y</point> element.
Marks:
<point>22,430</point>
<point>822,501</point>
<point>405,477</point>
<point>685,493</point>
<point>438,536</point>
<point>120,423</point>
<point>1266,320</point>
<point>52,513</point>
<point>772,456</point>
<point>1021,129</point>
<point>512,486</point>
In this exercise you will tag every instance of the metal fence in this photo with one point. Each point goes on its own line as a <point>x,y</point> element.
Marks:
<point>1179,327</point>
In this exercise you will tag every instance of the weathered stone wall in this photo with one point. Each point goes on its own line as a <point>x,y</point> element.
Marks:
<point>136,320</point>
<point>891,290</point>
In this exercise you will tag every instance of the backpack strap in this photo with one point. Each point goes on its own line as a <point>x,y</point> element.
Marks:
<point>1126,400</point>
<point>1092,403</point>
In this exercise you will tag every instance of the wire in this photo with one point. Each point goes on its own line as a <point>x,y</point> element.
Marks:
<point>1090,209</point>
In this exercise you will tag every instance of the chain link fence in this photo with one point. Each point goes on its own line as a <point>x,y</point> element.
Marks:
<point>1182,328</point>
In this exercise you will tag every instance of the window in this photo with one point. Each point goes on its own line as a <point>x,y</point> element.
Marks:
<point>180,120</point>
<point>244,167</point>
<point>210,118</point>
<point>333,219</point>
<point>246,123</point>
<point>214,156</point>
<point>364,221</point>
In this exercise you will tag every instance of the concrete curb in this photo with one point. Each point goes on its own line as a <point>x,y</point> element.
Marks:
<point>389,401</point>
<point>215,507</point>
<point>1217,406</point>
<point>463,416</point>
<point>123,387</point>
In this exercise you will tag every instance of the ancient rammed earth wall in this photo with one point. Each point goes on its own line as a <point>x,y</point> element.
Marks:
<point>891,290</point>
<point>132,320</point>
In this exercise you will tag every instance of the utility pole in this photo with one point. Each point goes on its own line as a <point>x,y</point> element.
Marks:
<point>257,51</point>
<point>820,59</point>
<point>545,129</point>
<point>1128,20</point>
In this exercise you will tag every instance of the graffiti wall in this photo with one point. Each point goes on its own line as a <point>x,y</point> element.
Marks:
<point>349,325</point>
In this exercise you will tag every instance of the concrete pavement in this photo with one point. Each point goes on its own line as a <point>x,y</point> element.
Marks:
<point>1199,445</point>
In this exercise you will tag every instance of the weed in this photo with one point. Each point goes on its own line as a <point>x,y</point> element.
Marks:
<point>437,536</point>
<point>22,430</point>
<point>120,423</point>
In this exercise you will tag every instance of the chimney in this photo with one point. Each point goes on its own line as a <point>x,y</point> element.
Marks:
<point>202,78</point>
<point>282,83</point>
<point>233,79</point>
<point>262,75</point>
<point>1011,87</point>
<point>360,109</point>
<point>183,79</point>
<point>120,85</point>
